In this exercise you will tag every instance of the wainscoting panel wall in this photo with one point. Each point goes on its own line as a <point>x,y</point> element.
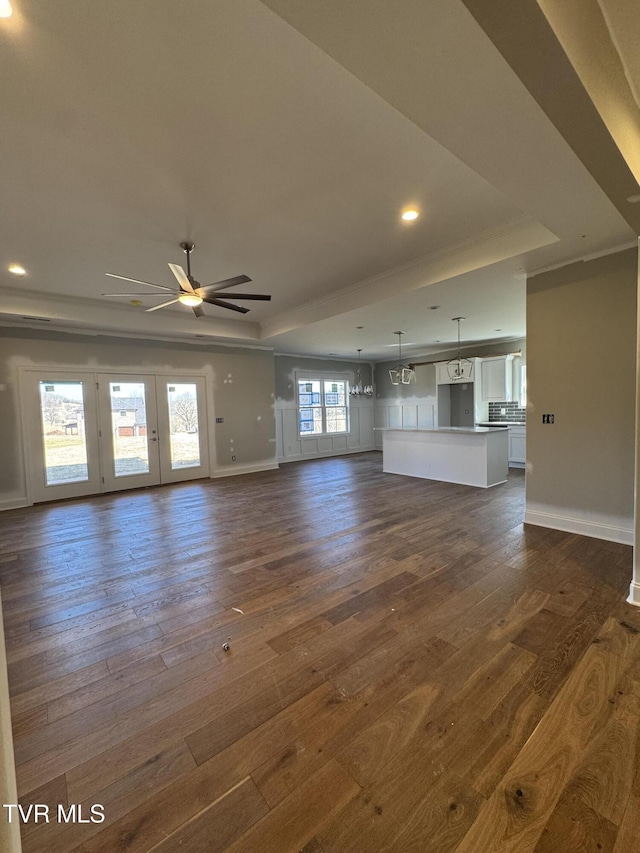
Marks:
<point>405,416</point>
<point>290,447</point>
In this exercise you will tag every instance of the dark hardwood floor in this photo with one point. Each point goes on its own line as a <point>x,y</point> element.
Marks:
<point>410,669</point>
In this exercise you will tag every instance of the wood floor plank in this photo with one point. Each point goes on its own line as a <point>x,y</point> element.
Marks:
<point>296,820</point>
<point>518,810</point>
<point>405,657</point>
<point>217,826</point>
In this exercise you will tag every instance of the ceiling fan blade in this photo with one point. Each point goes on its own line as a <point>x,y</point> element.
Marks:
<point>227,282</point>
<point>162,305</point>
<point>222,304</point>
<point>181,276</point>
<point>262,296</point>
<point>135,294</point>
<point>138,281</point>
<point>197,310</point>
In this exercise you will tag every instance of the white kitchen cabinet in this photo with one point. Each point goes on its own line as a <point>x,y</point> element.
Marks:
<point>517,446</point>
<point>443,378</point>
<point>496,379</point>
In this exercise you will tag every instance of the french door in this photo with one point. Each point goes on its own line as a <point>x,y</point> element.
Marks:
<point>91,433</point>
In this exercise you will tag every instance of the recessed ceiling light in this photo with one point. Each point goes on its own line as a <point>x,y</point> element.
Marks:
<point>410,214</point>
<point>433,307</point>
<point>359,327</point>
<point>497,330</point>
<point>136,302</point>
<point>634,199</point>
<point>16,269</point>
<point>5,9</point>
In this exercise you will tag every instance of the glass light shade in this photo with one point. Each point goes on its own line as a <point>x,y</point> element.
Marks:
<point>190,299</point>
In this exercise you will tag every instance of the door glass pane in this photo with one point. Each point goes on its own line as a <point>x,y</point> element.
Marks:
<point>183,425</point>
<point>129,428</point>
<point>63,432</point>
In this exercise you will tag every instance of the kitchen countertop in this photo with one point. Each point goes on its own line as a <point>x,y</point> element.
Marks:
<point>465,430</point>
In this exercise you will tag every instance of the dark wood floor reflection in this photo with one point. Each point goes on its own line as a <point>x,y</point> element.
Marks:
<point>410,669</point>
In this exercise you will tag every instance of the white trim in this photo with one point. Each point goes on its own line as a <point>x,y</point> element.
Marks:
<point>13,503</point>
<point>93,376</point>
<point>232,470</point>
<point>324,454</point>
<point>634,594</point>
<point>622,533</point>
<point>9,832</point>
<point>322,376</point>
<point>583,259</point>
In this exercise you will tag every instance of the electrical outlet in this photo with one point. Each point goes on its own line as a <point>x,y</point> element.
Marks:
<point>219,420</point>
<point>233,458</point>
<point>548,419</point>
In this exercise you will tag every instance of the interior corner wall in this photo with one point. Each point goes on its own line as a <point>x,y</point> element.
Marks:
<point>240,388</point>
<point>581,339</point>
<point>291,447</point>
<point>416,405</point>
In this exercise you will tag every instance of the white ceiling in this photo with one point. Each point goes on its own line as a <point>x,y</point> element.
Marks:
<point>285,148</point>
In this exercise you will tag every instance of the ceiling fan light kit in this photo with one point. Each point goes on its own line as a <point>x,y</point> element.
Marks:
<point>191,292</point>
<point>190,299</point>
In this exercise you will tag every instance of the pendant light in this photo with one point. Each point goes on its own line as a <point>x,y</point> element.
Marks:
<point>360,390</point>
<point>459,368</point>
<point>401,375</point>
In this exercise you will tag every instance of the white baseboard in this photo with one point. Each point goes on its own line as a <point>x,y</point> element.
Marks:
<point>233,470</point>
<point>13,503</point>
<point>634,594</point>
<point>346,452</point>
<point>571,524</point>
<point>517,465</point>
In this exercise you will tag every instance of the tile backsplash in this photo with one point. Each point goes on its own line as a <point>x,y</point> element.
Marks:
<point>512,412</point>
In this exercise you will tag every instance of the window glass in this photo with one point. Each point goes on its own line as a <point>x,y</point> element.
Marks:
<point>62,412</point>
<point>322,406</point>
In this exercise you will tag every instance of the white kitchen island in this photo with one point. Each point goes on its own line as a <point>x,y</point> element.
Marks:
<point>470,456</point>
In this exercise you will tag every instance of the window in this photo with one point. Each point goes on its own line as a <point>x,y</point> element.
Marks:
<point>322,406</point>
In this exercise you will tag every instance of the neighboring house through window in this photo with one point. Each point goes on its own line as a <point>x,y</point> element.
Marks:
<point>323,406</point>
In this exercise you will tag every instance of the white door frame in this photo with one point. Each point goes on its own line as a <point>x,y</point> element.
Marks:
<point>206,416</point>
<point>37,488</point>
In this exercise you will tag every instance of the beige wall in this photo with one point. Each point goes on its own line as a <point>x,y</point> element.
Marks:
<point>581,342</point>
<point>246,403</point>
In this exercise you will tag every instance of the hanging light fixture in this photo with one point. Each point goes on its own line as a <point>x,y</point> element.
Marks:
<point>401,374</point>
<point>360,390</point>
<point>459,368</point>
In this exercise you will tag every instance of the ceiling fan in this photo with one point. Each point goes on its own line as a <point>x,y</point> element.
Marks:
<point>191,292</point>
